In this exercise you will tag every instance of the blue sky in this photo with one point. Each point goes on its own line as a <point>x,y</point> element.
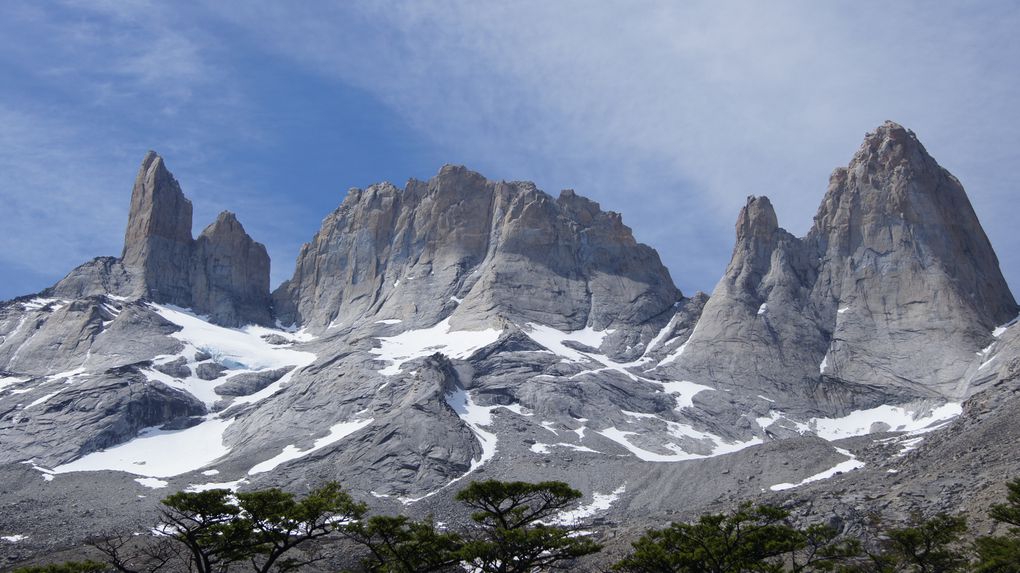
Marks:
<point>670,113</point>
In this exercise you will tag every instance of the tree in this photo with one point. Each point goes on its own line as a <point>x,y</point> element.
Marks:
<point>516,531</point>
<point>929,545</point>
<point>129,554</point>
<point>219,528</point>
<point>277,523</point>
<point>399,545</point>
<point>1001,553</point>
<point>822,548</point>
<point>750,539</point>
<point>205,523</point>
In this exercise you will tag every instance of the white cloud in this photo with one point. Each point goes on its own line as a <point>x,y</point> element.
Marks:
<point>673,113</point>
<point>670,113</point>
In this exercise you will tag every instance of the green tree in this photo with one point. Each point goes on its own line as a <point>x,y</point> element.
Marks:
<point>399,545</point>
<point>273,522</point>
<point>750,539</point>
<point>822,548</point>
<point>929,545</point>
<point>516,532</point>
<point>1001,553</point>
<point>219,528</point>
<point>204,522</point>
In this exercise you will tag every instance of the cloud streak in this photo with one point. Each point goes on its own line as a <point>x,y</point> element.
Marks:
<point>671,113</point>
<point>674,113</point>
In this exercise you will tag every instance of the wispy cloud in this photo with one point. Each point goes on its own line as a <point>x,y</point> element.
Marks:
<point>669,112</point>
<point>673,113</point>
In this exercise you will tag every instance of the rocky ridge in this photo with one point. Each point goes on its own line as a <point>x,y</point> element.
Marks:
<point>461,327</point>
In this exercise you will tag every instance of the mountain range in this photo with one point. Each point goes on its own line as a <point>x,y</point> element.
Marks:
<point>461,328</point>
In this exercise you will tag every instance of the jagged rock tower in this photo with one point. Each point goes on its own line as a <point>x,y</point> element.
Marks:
<point>891,292</point>
<point>223,274</point>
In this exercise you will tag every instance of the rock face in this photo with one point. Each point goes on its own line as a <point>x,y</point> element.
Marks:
<point>230,274</point>
<point>894,288</point>
<point>224,273</point>
<point>495,249</point>
<point>158,244</point>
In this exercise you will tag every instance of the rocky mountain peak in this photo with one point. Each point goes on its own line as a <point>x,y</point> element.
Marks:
<point>896,285</point>
<point>757,220</point>
<point>478,249</point>
<point>230,274</point>
<point>157,244</point>
<point>895,208</point>
<point>224,273</point>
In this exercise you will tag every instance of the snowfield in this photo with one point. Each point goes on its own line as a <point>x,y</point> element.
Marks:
<point>159,453</point>
<point>412,344</point>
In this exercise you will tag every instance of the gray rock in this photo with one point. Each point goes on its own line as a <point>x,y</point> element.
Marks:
<point>275,339</point>
<point>247,383</point>
<point>863,293</point>
<point>177,368</point>
<point>100,276</point>
<point>503,249</point>
<point>97,411</point>
<point>158,244</point>
<point>224,273</point>
<point>209,370</point>
<point>894,289</point>
<point>230,279</point>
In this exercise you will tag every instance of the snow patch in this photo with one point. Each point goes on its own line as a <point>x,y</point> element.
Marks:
<point>683,392</point>
<point>553,339</point>
<point>660,336</point>
<point>679,455</point>
<point>999,331</point>
<point>337,432</point>
<point>243,348</point>
<point>40,302</point>
<point>13,538</point>
<point>159,453</point>
<point>600,502</point>
<point>424,342</point>
<point>540,448</point>
<point>824,365</point>
<point>152,483</point>
<point>42,400</point>
<point>849,465</point>
<point>6,381</point>
<point>231,485</point>
<point>763,308</point>
<point>861,422</point>
<point>47,474</point>
<point>389,321</point>
<point>843,310</point>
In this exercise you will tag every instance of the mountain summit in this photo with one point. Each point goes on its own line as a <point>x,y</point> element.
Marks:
<point>891,293</point>
<point>223,274</point>
<point>462,328</point>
